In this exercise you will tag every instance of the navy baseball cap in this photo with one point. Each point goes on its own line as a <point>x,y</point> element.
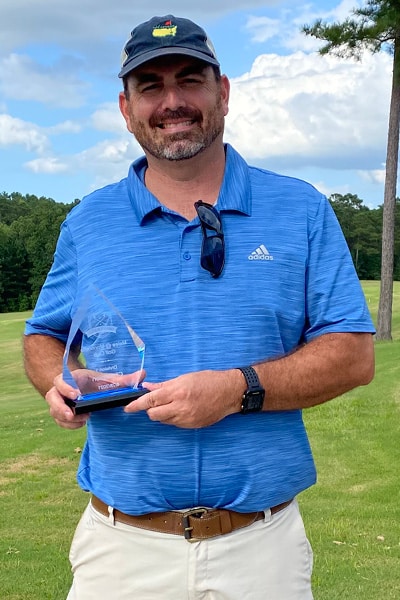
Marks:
<point>161,36</point>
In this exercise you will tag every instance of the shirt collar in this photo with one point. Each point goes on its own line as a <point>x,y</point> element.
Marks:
<point>235,192</point>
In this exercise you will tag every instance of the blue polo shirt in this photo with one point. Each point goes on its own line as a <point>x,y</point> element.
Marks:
<point>288,278</point>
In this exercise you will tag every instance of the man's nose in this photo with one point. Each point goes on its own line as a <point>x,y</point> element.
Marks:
<point>173,97</point>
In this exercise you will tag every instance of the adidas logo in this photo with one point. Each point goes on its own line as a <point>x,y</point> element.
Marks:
<point>261,253</point>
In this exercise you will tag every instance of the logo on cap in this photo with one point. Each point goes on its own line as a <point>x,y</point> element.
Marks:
<point>165,29</point>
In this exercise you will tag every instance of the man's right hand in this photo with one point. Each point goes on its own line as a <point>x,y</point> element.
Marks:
<point>87,381</point>
<point>62,414</point>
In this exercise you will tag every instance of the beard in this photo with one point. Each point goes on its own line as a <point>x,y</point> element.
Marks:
<point>182,145</point>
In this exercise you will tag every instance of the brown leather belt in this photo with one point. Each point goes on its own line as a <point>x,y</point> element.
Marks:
<point>196,524</point>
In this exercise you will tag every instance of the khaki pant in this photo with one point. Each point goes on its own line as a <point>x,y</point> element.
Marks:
<point>269,560</point>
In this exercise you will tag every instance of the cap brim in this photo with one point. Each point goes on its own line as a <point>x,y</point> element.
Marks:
<point>143,58</point>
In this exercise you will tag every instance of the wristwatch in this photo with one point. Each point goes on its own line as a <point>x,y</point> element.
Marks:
<point>253,398</point>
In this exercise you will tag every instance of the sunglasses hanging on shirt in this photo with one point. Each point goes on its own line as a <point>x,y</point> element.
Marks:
<point>213,246</point>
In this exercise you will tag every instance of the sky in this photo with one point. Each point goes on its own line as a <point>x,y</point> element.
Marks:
<point>293,111</point>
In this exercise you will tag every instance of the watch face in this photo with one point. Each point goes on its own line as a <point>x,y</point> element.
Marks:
<point>253,398</point>
<point>253,401</point>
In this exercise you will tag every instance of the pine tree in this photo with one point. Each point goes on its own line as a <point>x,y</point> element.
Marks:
<point>375,27</point>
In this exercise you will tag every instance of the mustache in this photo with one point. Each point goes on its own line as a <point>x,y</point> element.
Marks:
<point>179,113</point>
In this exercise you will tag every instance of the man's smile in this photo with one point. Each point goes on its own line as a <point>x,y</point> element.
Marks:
<point>175,125</point>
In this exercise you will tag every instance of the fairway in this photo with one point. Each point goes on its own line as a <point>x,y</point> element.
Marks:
<point>352,515</point>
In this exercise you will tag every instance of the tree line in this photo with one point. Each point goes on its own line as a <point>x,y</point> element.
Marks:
<point>29,228</point>
<point>362,228</point>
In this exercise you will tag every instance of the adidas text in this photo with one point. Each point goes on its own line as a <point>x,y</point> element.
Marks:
<point>261,253</point>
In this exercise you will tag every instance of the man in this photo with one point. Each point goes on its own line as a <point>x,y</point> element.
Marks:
<point>250,310</point>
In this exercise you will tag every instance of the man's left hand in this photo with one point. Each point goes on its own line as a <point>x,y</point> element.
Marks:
<point>193,400</point>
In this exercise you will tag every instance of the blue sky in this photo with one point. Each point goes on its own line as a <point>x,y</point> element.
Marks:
<point>61,135</point>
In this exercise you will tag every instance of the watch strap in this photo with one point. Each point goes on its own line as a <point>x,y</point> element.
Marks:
<point>253,397</point>
<point>251,377</point>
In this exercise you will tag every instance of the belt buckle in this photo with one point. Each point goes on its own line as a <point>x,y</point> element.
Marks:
<point>187,529</point>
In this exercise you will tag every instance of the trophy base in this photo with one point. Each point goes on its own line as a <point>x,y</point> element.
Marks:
<point>87,403</point>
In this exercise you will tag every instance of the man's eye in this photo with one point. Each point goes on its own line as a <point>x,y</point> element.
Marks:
<point>191,81</point>
<point>151,87</point>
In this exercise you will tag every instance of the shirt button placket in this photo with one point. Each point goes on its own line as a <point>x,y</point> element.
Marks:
<point>187,255</point>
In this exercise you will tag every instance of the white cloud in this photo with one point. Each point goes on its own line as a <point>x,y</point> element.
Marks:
<point>328,190</point>
<point>108,152</point>
<point>32,137</point>
<point>78,23</point>
<point>312,110</point>
<point>107,117</point>
<point>58,85</point>
<point>49,165</point>
<point>343,10</point>
<point>262,28</point>
<point>107,161</point>
<point>375,176</point>
<point>65,127</point>
<point>308,13</point>
<point>17,132</point>
<point>287,28</point>
<point>295,41</point>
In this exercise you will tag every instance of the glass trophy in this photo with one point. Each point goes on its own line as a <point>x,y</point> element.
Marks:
<point>109,347</point>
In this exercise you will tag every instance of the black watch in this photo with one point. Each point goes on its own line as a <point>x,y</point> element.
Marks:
<point>253,398</point>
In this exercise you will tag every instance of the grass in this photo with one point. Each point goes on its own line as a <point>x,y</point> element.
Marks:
<point>352,515</point>
<point>40,502</point>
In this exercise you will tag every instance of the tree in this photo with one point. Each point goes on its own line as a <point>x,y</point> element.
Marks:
<point>396,272</point>
<point>14,272</point>
<point>375,27</point>
<point>362,229</point>
<point>39,231</point>
<point>29,228</point>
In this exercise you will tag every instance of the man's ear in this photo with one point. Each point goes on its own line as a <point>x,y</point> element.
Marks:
<point>123,107</point>
<point>225,91</point>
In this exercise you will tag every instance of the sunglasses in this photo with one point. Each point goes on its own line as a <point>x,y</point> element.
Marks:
<point>213,246</point>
